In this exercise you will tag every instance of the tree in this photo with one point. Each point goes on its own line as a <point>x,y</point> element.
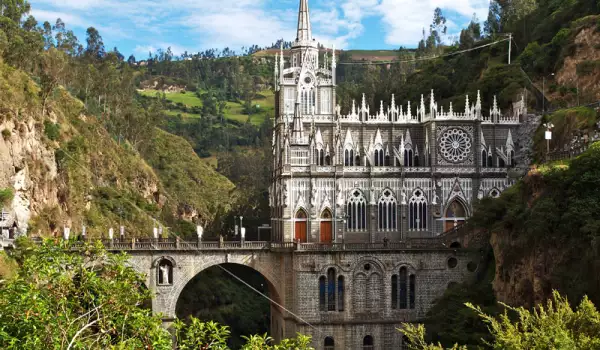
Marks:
<point>54,64</point>
<point>14,9</point>
<point>492,26</point>
<point>552,326</point>
<point>86,300</point>
<point>437,29</point>
<point>470,35</point>
<point>131,60</point>
<point>95,45</point>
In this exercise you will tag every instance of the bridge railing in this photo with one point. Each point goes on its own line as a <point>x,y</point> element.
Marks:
<point>176,244</point>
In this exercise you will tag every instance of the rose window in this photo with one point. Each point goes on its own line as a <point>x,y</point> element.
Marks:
<point>455,145</point>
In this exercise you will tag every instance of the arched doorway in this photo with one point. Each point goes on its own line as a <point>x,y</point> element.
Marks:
<point>214,294</point>
<point>300,226</point>
<point>326,227</point>
<point>456,214</point>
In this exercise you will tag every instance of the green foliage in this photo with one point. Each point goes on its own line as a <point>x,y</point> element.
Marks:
<point>6,195</point>
<point>6,134</point>
<point>87,300</point>
<point>552,326</point>
<point>211,335</point>
<point>51,130</point>
<point>200,335</point>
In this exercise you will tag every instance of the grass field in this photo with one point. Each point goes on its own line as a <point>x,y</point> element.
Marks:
<point>233,111</point>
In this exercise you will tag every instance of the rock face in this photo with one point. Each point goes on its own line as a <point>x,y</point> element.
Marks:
<point>29,169</point>
<point>524,140</point>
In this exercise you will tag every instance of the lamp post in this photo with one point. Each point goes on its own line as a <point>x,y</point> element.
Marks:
<point>548,137</point>
<point>544,92</point>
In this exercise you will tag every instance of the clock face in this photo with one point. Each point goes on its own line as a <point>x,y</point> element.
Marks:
<point>455,145</point>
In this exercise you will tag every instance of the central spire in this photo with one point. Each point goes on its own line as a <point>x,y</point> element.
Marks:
<point>304,31</point>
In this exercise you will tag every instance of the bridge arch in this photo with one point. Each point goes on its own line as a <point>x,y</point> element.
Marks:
<point>183,276</point>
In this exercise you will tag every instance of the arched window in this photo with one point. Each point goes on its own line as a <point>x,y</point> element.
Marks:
<point>511,158</point>
<point>368,343</point>
<point>319,156</point>
<point>490,161</point>
<point>340,295</point>
<point>394,291</point>
<point>388,161</point>
<point>484,158</point>
<point>357,160</point>
<point>403,290</point>
<point>411,291</point>
<point>300,227</point>
<point>416,160</point>
<point>329,343</point>
<point>408,157</point>
<point>349,157</point>
<point>379,157</point>
<point>417,212</point>
<point>331,289</point>
<point>322,292</point>
<point>327,160</point>
<point>165,272</point>
<point>387,211</point>
<point>501,163</point>
<point>356,212</point>
<point>330,292</point>
<point>455,215</point>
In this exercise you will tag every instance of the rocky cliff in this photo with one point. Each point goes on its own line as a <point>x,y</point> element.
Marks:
<point>63,169</point>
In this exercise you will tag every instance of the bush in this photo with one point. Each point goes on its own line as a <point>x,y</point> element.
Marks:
<point>6,195</point>
<point>587,67</point>
<point>6,134</point>
<point>51,130</point>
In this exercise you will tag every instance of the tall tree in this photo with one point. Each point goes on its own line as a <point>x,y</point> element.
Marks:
<point>492,25</point>
<point>95,45</point>
<point>437,28</point>
<point>14,9</point>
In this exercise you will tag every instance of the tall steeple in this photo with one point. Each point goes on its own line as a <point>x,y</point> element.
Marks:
<point>304,31</point>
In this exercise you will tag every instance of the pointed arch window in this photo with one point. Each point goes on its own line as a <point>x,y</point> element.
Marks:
<point>490,161</point>
<point>319,155</point>
<point>322,293</point>
<point>484,158</point>
<point>379,157</point>
<point>403,290</point>
<point>408,157</point>
<point>387,213</point>
<point>511,158</point>
<point>417,212</point>
<point>349,157</point>
<point>356,212</point>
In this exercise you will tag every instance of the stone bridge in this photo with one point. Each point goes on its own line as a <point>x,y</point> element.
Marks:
<point>344,291</point>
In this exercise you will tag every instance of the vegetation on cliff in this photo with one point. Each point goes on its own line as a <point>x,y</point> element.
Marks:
<point>555,325</point>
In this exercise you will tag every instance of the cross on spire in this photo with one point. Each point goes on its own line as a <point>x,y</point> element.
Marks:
<point>304,30</point>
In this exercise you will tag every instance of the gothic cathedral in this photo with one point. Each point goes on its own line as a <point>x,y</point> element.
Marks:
<point>373,174</point>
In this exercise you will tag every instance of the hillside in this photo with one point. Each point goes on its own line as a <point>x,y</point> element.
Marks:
<point>67,171</point>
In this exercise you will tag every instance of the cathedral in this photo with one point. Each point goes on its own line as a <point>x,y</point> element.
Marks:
<point>376,173</point>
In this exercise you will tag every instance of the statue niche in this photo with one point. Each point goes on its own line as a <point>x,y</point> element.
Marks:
<point>165,272</point>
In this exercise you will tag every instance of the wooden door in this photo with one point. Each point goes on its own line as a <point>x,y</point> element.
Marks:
<point>301,231</point>
<point>326,232</point>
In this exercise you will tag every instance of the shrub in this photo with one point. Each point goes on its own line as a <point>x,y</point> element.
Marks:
<point>587,67</point>
<point>6,195</point>
<point>6,134</point>
<point>51,130</point>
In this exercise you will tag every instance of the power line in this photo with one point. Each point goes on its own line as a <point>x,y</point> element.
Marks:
<point>198,250</point>
<point>423,58</point>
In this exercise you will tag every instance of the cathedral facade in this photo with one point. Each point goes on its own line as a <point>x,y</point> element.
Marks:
<point>382,173</point>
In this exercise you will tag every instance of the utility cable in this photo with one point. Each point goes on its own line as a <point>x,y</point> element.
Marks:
<point>198,250</point>
<point>424,58</point>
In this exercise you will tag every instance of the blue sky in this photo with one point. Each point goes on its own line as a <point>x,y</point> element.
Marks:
<point>139,26</point>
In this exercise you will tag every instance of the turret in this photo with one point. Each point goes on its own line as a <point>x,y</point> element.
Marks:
<point>304,30</point>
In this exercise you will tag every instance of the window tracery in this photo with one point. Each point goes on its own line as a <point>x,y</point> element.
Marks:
<point>331,291</point>
<point>417,212</point>
<point>356,212</point>
<point>403,290</point>
<point>387,213</point>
